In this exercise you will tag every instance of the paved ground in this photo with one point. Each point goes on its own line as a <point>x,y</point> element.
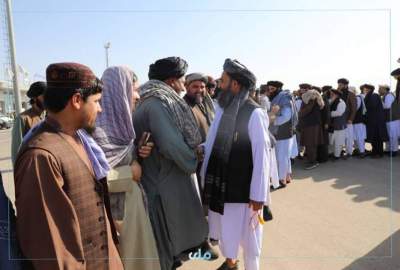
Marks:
<point>342,215</point>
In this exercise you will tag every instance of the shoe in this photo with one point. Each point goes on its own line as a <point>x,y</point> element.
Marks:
<point>206,247</point>
<point>282,184</point>
<point>362,155</point>
<point>393,154</point>
<point>311,165</point>
<point>335,158</point>
<point>225,266</point>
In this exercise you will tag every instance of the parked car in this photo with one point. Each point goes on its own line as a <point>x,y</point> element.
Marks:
<point>5,121</point>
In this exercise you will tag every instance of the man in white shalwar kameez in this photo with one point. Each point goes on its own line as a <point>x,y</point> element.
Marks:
<point>282,128</point>
<point>337,134</point>
<point>236,169</point>
<point>360,131</point>
<point>392,125</point>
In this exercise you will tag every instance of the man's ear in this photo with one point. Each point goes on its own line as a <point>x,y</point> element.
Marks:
<point>170,82</point>
<point>76,101</point>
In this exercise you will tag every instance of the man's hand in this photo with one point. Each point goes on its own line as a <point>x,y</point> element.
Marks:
<point>145,150</point>
<point>349,122</point>
<point>136,170</point>
<point>275,109</point>
<point>256,205</point>
<point>326,126</point>
<point>200,153</point>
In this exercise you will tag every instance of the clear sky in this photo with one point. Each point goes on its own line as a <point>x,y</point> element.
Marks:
<point>292,41</point>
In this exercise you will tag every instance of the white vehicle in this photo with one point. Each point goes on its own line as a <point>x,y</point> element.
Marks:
<point>5,121</point>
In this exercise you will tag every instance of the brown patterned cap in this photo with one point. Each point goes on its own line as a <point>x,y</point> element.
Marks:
<point>69,75</point>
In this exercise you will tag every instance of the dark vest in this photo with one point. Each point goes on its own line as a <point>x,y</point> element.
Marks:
<point>84,191</point>
<point>338,123</point>
<point>240,166</point>
<point>311,119</point>
<point>393,113</point>
<point>359,114</point>
<point>386,112</point>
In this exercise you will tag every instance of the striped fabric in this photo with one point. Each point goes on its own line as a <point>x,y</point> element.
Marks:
<point>114,128</point>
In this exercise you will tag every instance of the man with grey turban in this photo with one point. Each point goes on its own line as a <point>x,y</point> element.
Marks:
<point>175,209</point>
<point>236,168</point>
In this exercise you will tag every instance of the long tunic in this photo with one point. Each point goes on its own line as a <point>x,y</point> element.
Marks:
<point>238,226</point>
<point>9,248</point>
<point>22,124</point>
<point>393,127</point>
<point>175,209</point>
<point>41,199</point>
<point>375,120</point>
<point>283,147</point>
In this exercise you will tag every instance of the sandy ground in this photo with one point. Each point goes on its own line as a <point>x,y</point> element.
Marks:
<point>342,215</point>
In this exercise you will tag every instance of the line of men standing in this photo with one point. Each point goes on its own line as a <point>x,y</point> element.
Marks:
<point>214,147</point>
<point>187,161</point>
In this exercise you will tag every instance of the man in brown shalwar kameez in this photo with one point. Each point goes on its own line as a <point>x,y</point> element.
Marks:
<point>310,123</point>
<point>62,222</point>
<point>29,118</point>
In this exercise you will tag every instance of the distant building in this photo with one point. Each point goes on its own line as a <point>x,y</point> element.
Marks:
<point>7,98</point>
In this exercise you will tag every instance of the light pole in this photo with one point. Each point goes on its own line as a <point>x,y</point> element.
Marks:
<point>106,47</point>
<point>17,94</point>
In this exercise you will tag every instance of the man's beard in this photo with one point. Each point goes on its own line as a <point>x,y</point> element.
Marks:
<point>89,129</point>
<point>226,97</point>
<point>196,99</point>
<point>39,104</point>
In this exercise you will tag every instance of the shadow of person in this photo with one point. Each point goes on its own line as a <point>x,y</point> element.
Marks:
<point>385,256</point>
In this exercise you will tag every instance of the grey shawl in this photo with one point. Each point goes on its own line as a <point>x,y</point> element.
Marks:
<point>178,108</point>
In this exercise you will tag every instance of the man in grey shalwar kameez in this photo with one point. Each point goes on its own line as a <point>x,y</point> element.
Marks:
<point>175,209</point>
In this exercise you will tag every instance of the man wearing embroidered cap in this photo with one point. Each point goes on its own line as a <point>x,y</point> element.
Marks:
<point>60,183</point>
<point>29,118</point>
<point>236,168</point>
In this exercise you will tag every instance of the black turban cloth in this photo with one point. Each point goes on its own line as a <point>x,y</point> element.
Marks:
<point>368,86</point>
<point>343,80</point>
<point>276,84</point>
<point>240,72</point>
<point>36,89</point>
<point>395,72</point>
<point>326,88</point>
<point>305,86</point>
<point>166,68</point>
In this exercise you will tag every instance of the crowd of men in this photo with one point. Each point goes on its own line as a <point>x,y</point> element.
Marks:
<point>203,156</point>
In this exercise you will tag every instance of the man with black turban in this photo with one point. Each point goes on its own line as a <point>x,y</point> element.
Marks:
<point>175,209</point>
<point>26,120</point>
<point>375,120</point>
<point>236,168</point>
<point>283,128</point>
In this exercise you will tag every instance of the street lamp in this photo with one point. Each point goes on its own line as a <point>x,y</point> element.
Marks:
<point>106,47</point>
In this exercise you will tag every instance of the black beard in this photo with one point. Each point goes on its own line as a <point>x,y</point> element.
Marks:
<point>198,99</point>
<point>39,104</point>
<point>225,98</point>
<point>90,130</point>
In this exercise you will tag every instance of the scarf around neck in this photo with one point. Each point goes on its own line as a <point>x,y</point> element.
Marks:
<point>177,107</point>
